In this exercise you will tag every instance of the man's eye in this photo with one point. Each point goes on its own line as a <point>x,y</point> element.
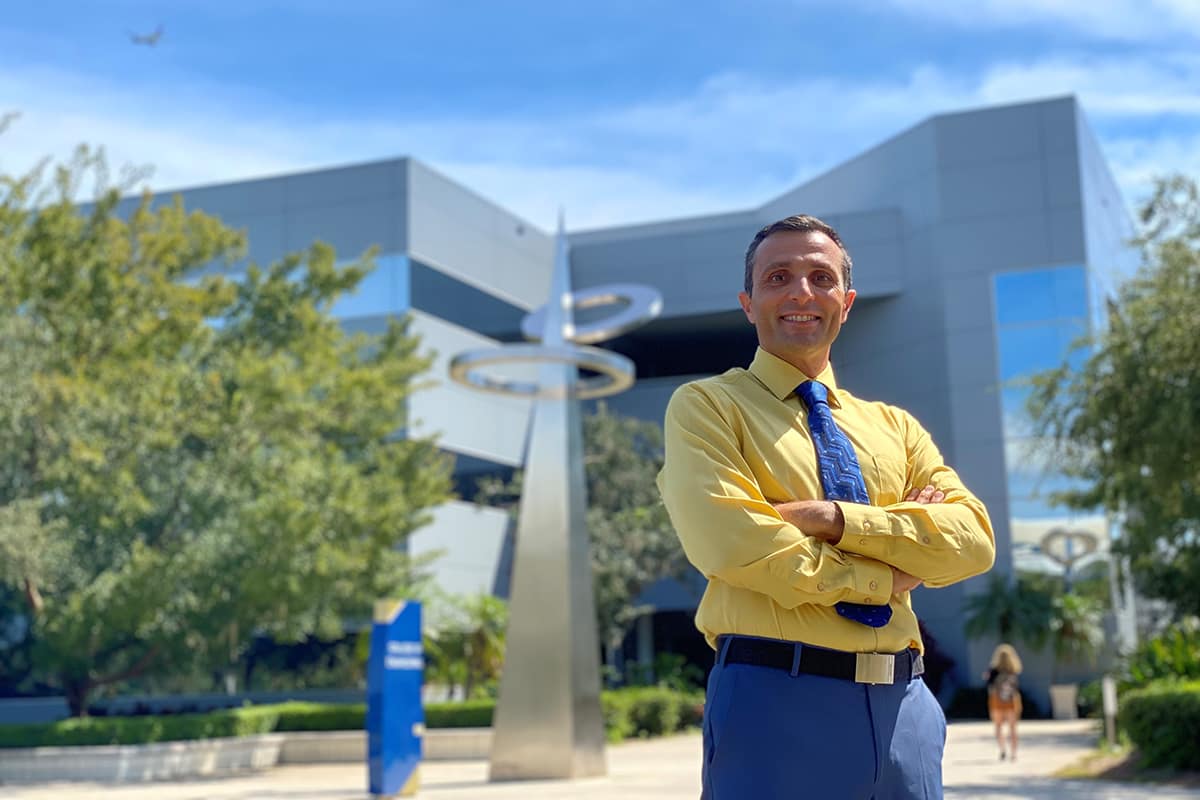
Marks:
<point>777,277</point>
<point>824,278</point>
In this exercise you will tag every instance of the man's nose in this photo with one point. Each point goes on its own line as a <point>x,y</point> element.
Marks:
<point>800,287</point>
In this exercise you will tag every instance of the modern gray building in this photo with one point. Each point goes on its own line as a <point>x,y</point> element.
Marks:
<point>983,242</point>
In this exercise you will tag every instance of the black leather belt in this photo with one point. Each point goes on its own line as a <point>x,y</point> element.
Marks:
<point>795,658</point>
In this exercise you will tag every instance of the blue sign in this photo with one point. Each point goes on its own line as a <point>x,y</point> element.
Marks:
<point>395,718</point>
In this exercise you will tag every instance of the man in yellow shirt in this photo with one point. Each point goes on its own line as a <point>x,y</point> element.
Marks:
<point>812,514</point>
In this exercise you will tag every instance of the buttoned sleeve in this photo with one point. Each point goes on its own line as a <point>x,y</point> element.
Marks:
<point>731,533</point>
<point>940,543</point>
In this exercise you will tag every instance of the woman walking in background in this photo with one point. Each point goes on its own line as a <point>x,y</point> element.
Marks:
<point>1004,696</point>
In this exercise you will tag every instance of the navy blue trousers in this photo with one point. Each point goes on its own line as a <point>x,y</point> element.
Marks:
<point>771,736</point>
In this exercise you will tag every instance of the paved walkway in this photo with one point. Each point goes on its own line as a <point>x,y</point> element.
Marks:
<point>661,769</point>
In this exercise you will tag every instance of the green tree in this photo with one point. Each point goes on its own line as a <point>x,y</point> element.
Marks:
<point>1011,611</point>
<point>1035,609</point>
<point>1128,422</point>
<point>464,641</point>
<point>1076,628</point>
<point>632,542</point>
<point>189,460</point>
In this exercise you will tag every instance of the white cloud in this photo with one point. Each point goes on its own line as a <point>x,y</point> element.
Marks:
<point>1137,161</point>
<point>593,197</point>
<point>735,142</point>
<point>1119,87</point>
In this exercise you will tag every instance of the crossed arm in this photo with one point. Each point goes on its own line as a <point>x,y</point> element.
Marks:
<point>824,519</point>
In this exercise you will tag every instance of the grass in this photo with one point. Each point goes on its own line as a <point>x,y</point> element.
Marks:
<point>1121,763</point>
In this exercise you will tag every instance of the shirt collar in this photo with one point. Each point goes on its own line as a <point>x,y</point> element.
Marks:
<point>781,378</point>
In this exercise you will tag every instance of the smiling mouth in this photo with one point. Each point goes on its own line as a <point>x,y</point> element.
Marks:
<point>800,318</point>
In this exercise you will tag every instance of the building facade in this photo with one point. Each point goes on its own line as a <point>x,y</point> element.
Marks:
<point>983,241</point>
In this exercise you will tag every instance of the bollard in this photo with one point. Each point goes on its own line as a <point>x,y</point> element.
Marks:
<point>1108,694</point>
<point>395,717</point>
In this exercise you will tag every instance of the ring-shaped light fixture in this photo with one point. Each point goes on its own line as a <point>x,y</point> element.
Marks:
<point>642,304</point>
<point>1085,542</point>
<point>616,371</point>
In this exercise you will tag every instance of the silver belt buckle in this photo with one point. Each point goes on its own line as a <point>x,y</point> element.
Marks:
<point>874,668</point>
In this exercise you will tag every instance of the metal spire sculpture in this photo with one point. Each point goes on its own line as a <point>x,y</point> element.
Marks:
<point>548,722</point>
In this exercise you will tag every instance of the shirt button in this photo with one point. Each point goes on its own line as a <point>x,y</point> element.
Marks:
<point>925,539</point>
<point>866,526</point>
<point>820,587</point>
<point>862,541</point>
<point>874,585</point>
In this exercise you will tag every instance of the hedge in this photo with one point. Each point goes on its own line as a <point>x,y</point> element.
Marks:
<point>650,711</point>
<point>245,721</point>
<point>297,716</point>
<point>468,714</point>
<point>1163,722</point>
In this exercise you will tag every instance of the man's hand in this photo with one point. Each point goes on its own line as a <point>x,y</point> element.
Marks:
<point>930,494</point>
<point>903,582</point>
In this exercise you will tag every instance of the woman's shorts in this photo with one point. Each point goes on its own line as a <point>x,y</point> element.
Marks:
<point>997,707</point>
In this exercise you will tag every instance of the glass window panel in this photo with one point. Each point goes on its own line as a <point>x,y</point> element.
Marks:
<point>454,301</point>
<point>1026,296</point>
<point>1040,295</point>
<point>384,290</point>
<point>1016,418</point>
<point>1070,292</point>
<point>1027,349</point>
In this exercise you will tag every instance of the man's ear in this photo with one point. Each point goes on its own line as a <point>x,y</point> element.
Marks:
<point>744,299</point>
<point>849,301</point>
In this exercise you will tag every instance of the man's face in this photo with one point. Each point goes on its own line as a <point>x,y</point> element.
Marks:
<point>799,300</point>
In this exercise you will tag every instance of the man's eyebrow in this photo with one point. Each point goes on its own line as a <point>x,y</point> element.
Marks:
<point>807,261</point>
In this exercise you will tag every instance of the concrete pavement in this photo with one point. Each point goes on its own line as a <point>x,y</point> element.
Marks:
<point>657,769</point>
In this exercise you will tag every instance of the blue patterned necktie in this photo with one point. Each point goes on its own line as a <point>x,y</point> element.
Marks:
<point>841,479</point>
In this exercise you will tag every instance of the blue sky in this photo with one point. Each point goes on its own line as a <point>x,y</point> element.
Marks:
<point>619,111</point>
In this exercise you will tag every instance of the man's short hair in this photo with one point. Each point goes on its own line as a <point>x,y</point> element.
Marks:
<point>804,224</point>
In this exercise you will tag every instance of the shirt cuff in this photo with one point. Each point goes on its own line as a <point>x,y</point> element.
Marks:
<point>866,531</point>
<point>873,579</point>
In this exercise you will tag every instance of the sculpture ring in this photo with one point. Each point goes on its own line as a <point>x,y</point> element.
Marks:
<point>616,371</point>
<point>643,304</point>
<point>1074,545</point>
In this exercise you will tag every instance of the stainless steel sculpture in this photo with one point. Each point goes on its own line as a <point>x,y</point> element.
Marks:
<point>548,722</point>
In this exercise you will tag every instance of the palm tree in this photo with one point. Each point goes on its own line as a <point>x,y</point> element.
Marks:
<point>1076,628</point>
<point>1017,610</point>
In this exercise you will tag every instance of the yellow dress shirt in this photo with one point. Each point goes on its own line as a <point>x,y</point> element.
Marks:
<point>739,442</point>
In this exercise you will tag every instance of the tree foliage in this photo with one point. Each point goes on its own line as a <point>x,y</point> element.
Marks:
<point>633,542</point>
<point>1018,612</point>
<point>1036,610</point>
<point>190,460</point>
<point>1128,422</point>
<point>464,643</point>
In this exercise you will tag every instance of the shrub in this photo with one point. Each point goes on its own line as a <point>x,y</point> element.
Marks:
<point>617,708</point>
<point>1091,700</point>
<point>297,716</point>
<point>1174,653</point>
<point>467,714</point>
<point>1163,722</point>
<point>649,711</point>
<point>655,711</point>
<point>141,730</point>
